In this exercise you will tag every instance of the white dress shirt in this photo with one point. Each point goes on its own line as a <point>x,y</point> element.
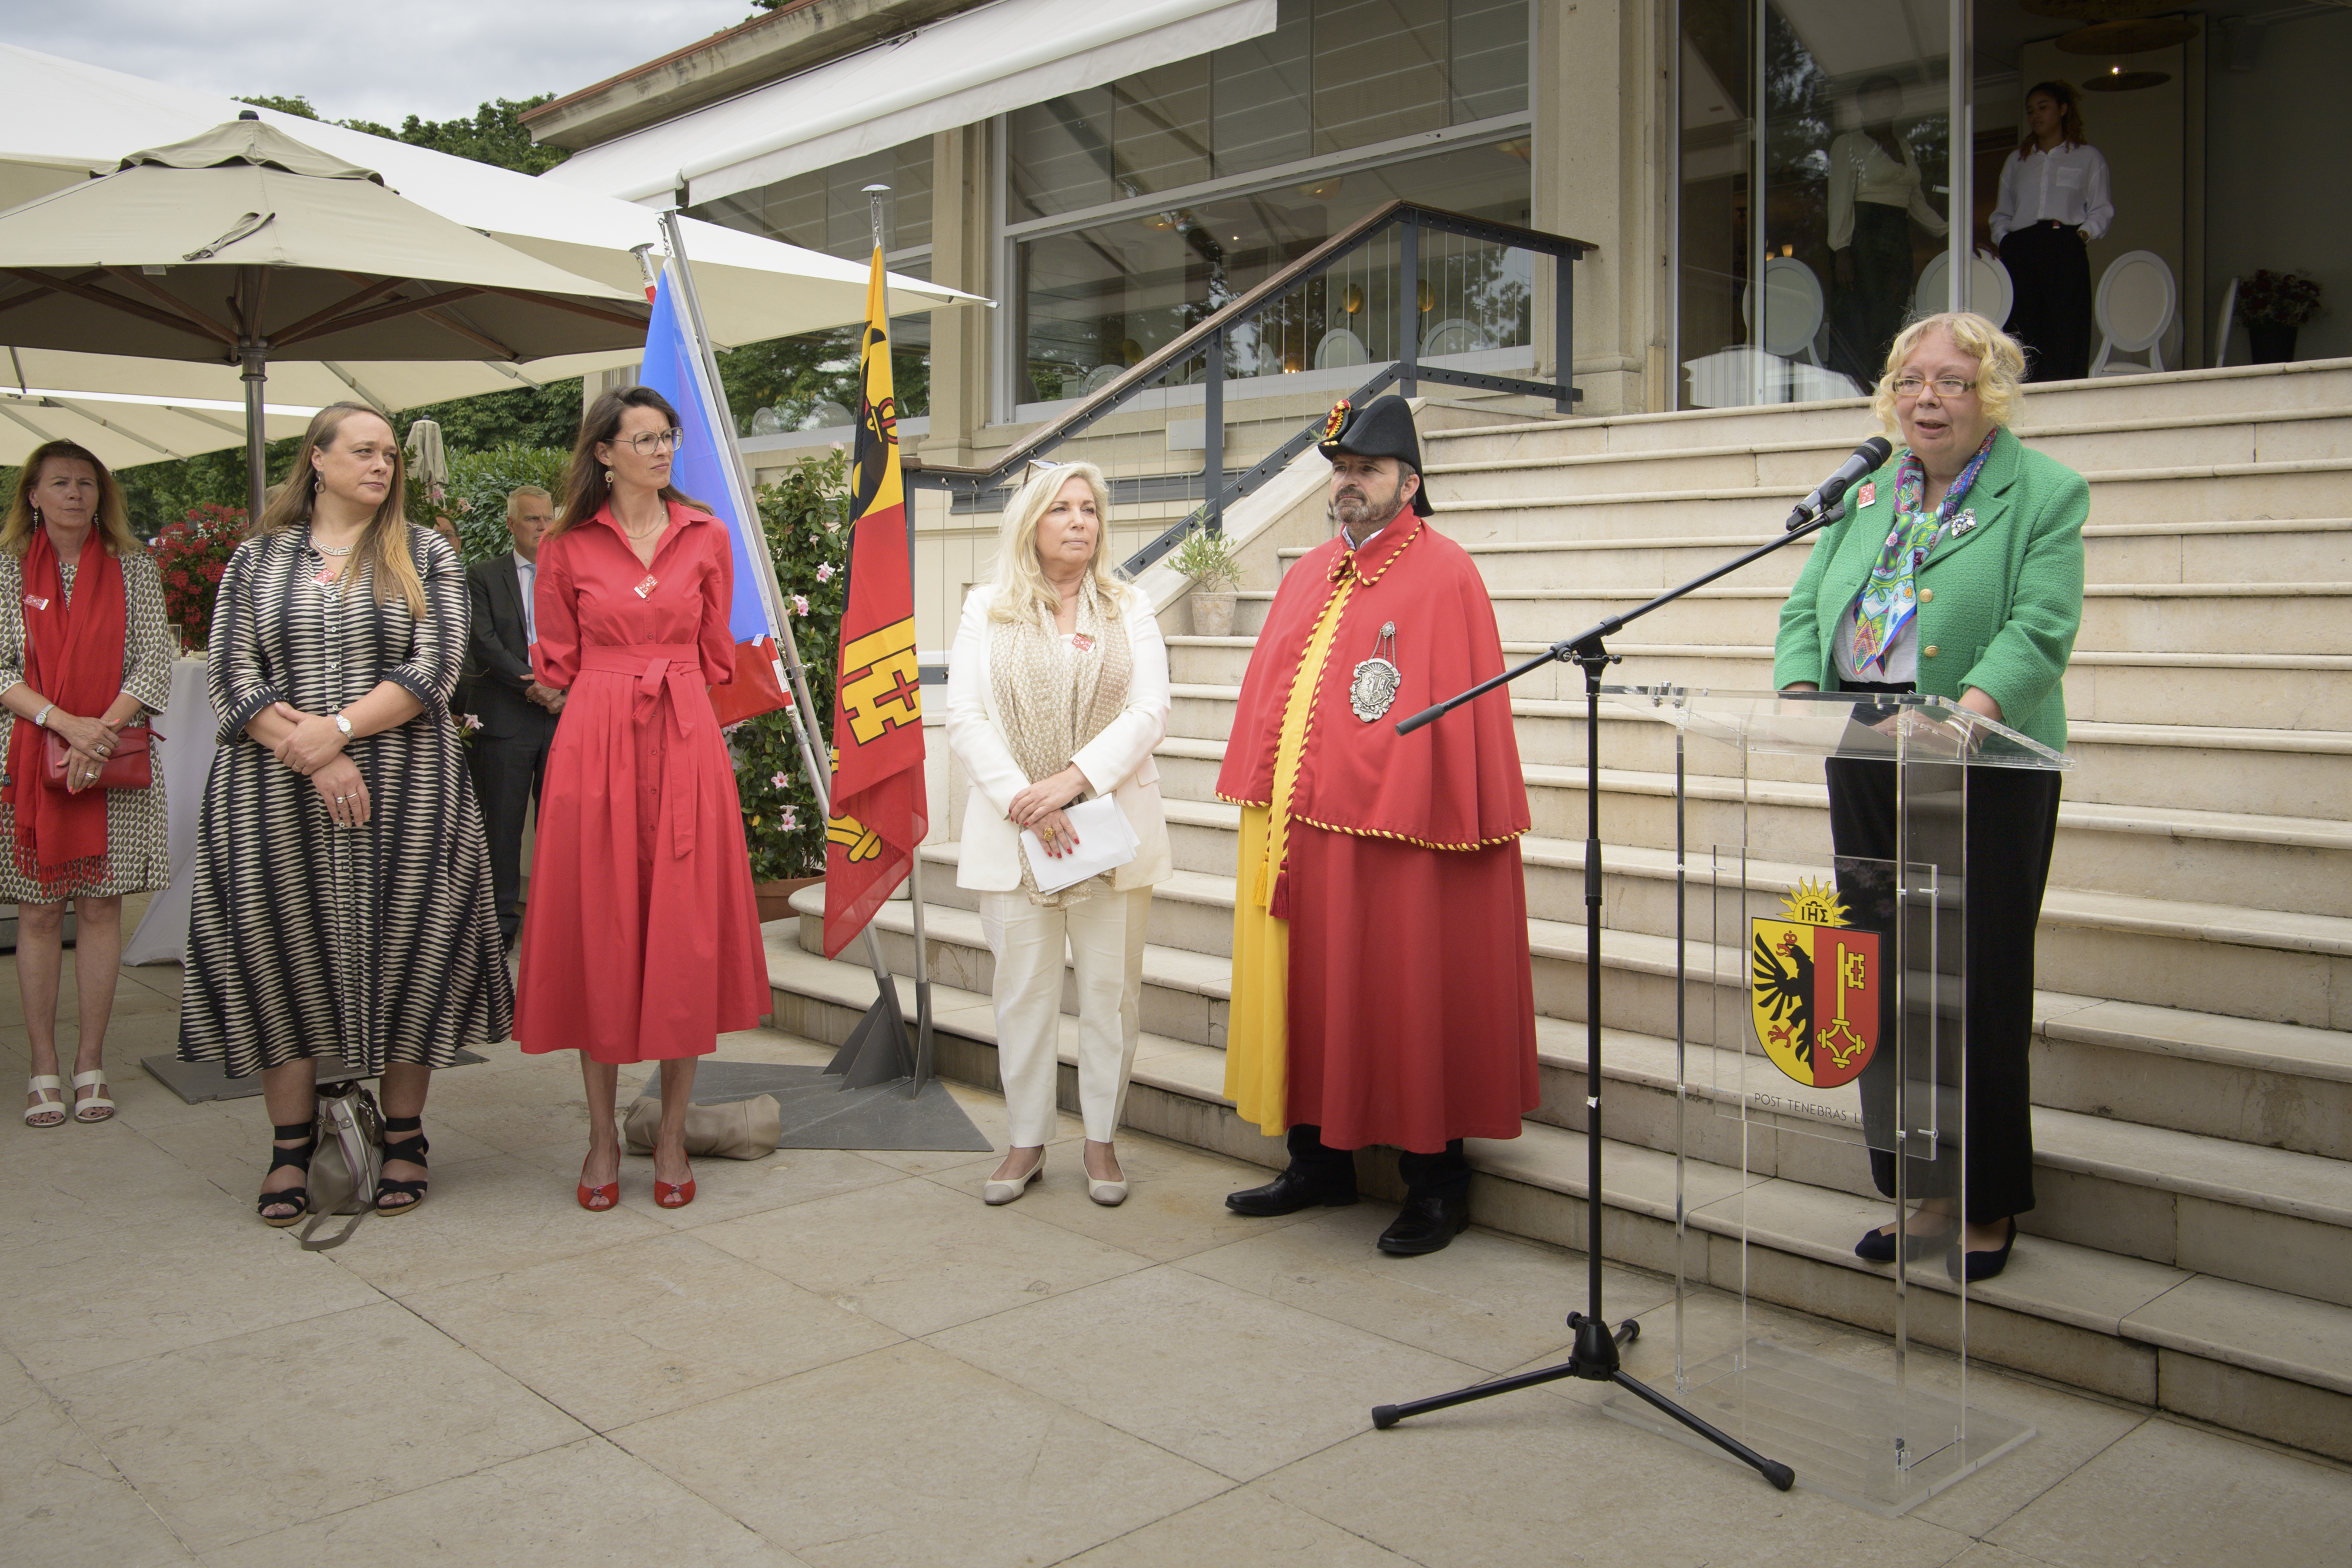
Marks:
<point>1860,171</point>
<point>527,579</point>
<point>2068,185</point>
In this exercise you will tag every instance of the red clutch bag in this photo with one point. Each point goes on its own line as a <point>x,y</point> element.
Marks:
<point>130,766</point>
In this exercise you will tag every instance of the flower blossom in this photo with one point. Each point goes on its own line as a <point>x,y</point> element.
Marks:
<point>790,820</point>
<point>824,571</point>
<point>799,605</point>
<point>779,780</point>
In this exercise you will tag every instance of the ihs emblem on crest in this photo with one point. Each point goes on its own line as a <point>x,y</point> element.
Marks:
<point>1813,988</point>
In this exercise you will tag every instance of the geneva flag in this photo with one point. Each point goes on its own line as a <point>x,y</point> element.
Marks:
<point>878,811</point>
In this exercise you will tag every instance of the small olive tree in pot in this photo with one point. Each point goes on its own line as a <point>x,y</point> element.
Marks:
<point>1208,559</point>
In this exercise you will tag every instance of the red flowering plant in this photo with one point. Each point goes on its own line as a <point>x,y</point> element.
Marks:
<point>193,555</point>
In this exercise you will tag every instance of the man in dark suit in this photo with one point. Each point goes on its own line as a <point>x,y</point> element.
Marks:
<point>518,714</point>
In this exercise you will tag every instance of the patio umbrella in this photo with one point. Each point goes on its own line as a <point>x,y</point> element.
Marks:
<point>242,244</point>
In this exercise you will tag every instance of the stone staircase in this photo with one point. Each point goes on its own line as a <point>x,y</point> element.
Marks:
<point>2193,1244</point>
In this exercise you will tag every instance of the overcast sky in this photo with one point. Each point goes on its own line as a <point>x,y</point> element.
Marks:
<point>439,58</point>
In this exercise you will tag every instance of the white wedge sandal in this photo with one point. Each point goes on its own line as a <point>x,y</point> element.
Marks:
<point>99,1101</point>
<point>47,1085</point>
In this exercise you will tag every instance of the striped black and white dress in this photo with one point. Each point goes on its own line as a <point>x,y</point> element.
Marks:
<point>376,943</point>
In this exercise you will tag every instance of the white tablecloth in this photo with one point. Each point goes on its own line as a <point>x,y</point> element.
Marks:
<point>183,748</point>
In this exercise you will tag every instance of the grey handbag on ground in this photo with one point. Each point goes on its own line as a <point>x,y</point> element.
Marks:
<point>350,1154</point>
<point>738,1129</point>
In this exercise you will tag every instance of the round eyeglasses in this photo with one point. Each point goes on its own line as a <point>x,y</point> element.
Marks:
<point>645,443</point>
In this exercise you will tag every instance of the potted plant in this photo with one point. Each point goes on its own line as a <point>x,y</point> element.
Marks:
<point>191,555</point>
<point>2273,305</point>
<point>1208,559</point>
<point>806,516</point>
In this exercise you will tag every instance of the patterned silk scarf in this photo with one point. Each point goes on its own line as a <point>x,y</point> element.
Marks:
<point>1055,696</point>
<point>1890,598</point>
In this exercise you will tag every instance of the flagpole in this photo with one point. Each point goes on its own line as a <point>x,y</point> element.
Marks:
<point>801,708</point>
<point>874,194</point>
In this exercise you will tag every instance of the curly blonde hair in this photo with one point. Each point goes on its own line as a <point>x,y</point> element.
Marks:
<point>2000,365</point>
<point>1022,592</point>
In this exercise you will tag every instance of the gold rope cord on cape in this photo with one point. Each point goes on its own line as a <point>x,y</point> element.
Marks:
<point>1257,1024</point>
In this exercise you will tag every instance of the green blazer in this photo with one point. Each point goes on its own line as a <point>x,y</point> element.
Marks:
<point>1999,602</point>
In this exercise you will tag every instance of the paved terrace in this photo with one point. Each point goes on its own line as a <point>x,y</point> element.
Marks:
<point>843,1360</point>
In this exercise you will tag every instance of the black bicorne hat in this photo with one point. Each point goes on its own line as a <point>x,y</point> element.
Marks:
<point>1382,428</point>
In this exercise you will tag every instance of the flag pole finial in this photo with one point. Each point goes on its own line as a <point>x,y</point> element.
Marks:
<point>874,194</point>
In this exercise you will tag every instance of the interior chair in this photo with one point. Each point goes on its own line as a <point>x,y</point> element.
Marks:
<point>2133,309</point>
<point>1992,294</point>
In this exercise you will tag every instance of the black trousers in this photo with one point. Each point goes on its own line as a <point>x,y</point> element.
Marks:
<point>508,772</point>
<point>1445,1174</point>
<point>2012,826</point>
<point>2050,267</point>
<point>1869,311</point>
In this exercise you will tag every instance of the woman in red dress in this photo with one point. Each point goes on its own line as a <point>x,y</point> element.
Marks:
<point>640,938</point>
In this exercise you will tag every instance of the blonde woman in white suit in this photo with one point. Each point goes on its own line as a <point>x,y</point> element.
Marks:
<point>1057,692</point>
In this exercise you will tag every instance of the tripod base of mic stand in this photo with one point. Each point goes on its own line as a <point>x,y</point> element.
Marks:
<point>1594,1358</point>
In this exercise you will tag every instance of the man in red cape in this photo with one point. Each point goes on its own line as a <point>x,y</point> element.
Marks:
<point>1382,991</point>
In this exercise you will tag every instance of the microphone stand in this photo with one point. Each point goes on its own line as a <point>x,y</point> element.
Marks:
<point>1595,1355</point>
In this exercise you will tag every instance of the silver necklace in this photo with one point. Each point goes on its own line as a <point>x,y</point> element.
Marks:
<point>333,550</point>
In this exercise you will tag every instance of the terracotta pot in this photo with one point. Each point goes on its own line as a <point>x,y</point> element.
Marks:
<point>1212,614</point>
<point>776,897</point>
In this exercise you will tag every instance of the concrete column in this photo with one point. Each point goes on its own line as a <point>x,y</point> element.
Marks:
<point>960,258</point>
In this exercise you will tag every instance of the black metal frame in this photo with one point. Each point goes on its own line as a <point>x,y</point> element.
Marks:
<point>1210,337</point>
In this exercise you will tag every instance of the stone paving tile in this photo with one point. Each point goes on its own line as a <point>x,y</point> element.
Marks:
<point>917,1257</point>
<point>726,1190</point>
<point>60,1500</point>
<point>644,1328</point>
<point>2168,1493</point>
<point>1225,1378</point>
<point>240,1438</point>
<point>580,1506</point>
<point>1243,1529</point>
<point>909,1456</point>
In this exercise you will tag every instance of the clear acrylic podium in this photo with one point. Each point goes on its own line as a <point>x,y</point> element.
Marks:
<point>1821,1019</point>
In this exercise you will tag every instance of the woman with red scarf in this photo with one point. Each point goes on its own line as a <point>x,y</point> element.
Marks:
<point>83,652</point>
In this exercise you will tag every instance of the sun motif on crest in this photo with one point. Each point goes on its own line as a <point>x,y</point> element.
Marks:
<point>1814,903</point>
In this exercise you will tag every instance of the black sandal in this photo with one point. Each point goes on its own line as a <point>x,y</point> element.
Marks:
<point>409,1150</point>
<point>297,1198</point>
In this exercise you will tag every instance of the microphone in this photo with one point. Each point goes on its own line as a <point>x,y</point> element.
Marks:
<point>1866,459</point>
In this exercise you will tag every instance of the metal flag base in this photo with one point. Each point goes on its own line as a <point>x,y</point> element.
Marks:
<point>875,1050</point>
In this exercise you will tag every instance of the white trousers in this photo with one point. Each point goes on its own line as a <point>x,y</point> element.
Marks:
<point>1103,937</point>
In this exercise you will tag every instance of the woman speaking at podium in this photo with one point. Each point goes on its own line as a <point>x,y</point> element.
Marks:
<point>1958,571</point>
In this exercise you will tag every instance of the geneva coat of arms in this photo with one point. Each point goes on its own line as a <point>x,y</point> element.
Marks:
<point>1813,988</point>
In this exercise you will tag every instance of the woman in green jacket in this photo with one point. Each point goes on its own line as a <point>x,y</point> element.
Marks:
<point>1957,571</point>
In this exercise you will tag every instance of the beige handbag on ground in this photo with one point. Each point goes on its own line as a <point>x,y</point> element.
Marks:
<point>738,1129</point>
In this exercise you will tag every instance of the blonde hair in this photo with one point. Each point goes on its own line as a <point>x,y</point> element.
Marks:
<point>112,517</point>
<point>2000,365</point>
<point>384,545</point>
<point>515,495</point>
<point>1022,592</point>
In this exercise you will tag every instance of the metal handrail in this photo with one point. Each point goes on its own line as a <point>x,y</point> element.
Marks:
<point>1211,334</point>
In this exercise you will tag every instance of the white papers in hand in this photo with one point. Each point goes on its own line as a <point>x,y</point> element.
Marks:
<point>1106,843</point>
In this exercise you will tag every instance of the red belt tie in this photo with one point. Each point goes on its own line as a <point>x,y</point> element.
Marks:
<point>677,668</point>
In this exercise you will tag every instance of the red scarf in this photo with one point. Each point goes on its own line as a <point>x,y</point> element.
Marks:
<point>73,657</point>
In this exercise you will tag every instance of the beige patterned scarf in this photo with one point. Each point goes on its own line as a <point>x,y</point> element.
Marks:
<point>1054,698</point>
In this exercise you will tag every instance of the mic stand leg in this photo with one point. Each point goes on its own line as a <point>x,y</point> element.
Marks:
<point>1594,1356</point>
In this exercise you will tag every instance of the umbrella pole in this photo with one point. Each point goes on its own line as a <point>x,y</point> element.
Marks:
<point>255,355</point>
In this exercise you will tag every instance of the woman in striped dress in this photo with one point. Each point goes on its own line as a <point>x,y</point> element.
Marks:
<point>343,896</point>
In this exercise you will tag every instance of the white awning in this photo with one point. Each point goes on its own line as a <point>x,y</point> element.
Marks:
<point>955,72</point>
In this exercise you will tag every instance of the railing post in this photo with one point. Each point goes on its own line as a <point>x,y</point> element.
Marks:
<point>1409,304</point>
<point>1564,328</point>
<point>1212,432</point>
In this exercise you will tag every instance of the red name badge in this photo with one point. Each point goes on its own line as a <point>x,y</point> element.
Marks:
<point>326,575</point>
<point>1869,494</point>
<point>36,602</point>
<point>647,587</point>
<point>1082,643</point>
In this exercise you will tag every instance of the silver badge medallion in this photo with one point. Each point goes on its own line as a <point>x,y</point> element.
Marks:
<point>1374,689</point>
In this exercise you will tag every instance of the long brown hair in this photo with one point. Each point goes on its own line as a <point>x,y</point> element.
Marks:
<point>113,518</point>
<point>585,489</point>
<point>383,543</point>
<point>2069,117</point>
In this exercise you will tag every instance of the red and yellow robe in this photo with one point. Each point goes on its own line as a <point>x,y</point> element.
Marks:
<point>1381,987</point>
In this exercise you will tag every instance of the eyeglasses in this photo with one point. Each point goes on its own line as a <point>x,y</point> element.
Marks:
<point>1946,386</point>
<point>649,442</point>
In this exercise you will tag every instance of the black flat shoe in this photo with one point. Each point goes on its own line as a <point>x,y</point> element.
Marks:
<point>1878,1246</point>
<point>1981,1265</point>
<point>1287,1194</point>
<point>1425,1224</point>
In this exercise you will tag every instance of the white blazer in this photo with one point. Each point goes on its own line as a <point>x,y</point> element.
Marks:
<point>1118,760</point>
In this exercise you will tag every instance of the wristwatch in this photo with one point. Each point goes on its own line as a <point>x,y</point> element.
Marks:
<point>41,720</point>
<point>342,723</point>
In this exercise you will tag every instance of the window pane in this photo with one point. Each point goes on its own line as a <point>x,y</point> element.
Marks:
<point>1161,127</point>
<point>1263,114</point>
<point>1057,156</point>
<point>1490,58</point>
<point>826,210</point>
<point>1380,70</point>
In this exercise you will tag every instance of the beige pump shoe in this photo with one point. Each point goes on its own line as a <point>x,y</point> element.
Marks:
<point>1001,1192</point>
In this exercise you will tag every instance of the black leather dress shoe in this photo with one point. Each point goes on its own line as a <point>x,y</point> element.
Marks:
<point>1878,1246</point>
<point>1425,1224</point>
<point>1980,1265</point>
<point>1287,1194</point>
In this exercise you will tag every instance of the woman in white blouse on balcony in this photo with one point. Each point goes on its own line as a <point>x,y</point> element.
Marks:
<point>2054,201</point>
<point>1875,194</point>
<point>1057,690</point>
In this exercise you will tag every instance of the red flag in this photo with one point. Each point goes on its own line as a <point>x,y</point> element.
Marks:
<point>879,813</point>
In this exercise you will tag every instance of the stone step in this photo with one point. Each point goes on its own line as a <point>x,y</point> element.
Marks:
<point>2301,863</point>
<point>2310,549</point>
<point>2266,772</point>
<point>2262,1359</point>
<point>2283,691</point>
